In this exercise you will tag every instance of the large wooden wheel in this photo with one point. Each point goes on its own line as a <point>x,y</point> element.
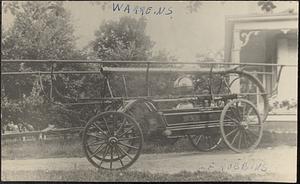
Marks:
<point>241,126</point>
<point>246,86</point>
<point>205,141</point>
<point>112,140</point>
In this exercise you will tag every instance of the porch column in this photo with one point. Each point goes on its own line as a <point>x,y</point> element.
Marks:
<point>287,54</point>
<point>236,46</point>
<point>235,58</point>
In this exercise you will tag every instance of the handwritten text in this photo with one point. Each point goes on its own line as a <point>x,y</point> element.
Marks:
<point>130,9</point>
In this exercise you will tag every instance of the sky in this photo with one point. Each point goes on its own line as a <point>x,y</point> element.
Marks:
<point>181,33</point>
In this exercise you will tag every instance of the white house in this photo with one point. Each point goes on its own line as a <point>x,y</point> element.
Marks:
<point>266,38</point>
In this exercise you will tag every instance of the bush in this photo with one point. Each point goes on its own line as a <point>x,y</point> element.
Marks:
<point>36,110</point>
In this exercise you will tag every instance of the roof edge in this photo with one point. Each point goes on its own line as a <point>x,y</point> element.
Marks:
<point>255,17</point>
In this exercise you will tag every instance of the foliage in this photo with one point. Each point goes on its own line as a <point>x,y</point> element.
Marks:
<point>278,106</point>
<point>123,40</point>
<point>36,110</point>
<point>194,6</point>
<point>41,30</point>
<point>267,6</point>
<point>126,39</point>
<point>29,109</point>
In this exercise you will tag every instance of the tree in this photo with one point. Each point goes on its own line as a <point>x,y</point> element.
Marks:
<point>266,6</point>
<point>41,30</point>
<point>123,40</point>
<point>194,6</point>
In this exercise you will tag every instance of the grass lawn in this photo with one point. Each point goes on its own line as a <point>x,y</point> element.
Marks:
<point>73,148</point>
<point>102,176</point>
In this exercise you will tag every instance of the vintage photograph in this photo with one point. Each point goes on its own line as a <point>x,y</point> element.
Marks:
<point>149,91</point>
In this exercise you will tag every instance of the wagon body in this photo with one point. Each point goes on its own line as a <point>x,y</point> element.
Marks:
<point>178,122</point>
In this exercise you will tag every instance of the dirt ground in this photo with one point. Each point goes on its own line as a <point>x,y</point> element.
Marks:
<point>267,164</point>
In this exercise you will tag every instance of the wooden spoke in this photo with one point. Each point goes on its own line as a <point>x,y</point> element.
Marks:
<point>98,150</point>
<point>240,139</point>
<point>114,124</point>
<point>129,146</point>
<point>100,129</point>
<point>121,126</point>
<point>245,137</point>
<point>122,150</point>
<point>235,137</point>
<point>238,111</point>
<point>234,120</point>
<point>104,154</point>
<point>119,158</point>
<point>198,140</point>
<point>107,126</point>
<point>89,134</point>
<point>95,143</point>
<point>111,157</point>
<point>126,131</point>
<point>128,138</point>
<point>231,132</point>
<point>234,112</point>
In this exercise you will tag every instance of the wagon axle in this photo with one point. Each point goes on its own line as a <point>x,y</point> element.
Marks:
<point>113,140</point>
